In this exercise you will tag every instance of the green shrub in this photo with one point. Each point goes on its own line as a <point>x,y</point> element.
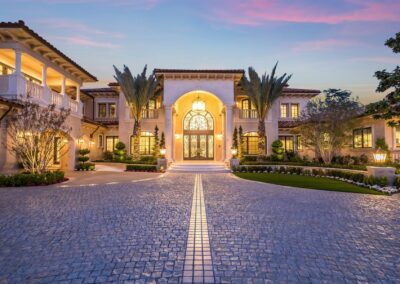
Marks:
<point>120,152</point>
<point>28,179</point>
<point>277,150</point>
<point>83,152</point>
<point>141,168</point>
<point>85,167</point>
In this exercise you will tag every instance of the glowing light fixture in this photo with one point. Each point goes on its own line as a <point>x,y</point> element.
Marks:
<point>178,136</point>
<point>234,152</point>
<point>219,136</point>
<point>379,156</point>
<point>198,105</point>
<point>163,151</point>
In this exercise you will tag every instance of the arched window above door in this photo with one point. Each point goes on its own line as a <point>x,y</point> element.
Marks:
<point>198,120</point>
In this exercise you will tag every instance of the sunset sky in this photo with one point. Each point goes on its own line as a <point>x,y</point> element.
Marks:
<point>333,43</point>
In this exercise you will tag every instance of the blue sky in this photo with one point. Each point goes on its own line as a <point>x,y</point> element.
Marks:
<point>335,43</point>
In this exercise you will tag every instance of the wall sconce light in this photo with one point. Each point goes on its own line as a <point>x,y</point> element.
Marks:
<point>65,140</point>
<point>91,143</point>
<point>234,152</point>
<point>379,156</point>
<point>178,136</point>
<point>80,141</point>
<point>219,136</point>
<point>163,151</point>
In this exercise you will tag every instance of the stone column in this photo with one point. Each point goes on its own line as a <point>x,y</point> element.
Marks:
<point>63,85</point>
<point>168,133</point>
<point>71,155</point>
<point>228,132</point>
<point>44,75</point>
<point>78,93</point>
<point>18,62</point>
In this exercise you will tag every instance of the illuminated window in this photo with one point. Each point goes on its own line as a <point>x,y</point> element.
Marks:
<point>250,143</point>
<point>362,138</point>
<point>146,146</point>
<point>101,141</point>
<point>196,120</point>
<point>57,148</point>
<point>112,108</point>
<point>294,108</point>
<point>102,111</point>
<point>397,137</point>
<point>299,143</point>
<point>111,141</point>
<point>284,110</point>
<point>287,142</point>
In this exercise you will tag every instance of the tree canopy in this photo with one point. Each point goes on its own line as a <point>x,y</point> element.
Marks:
<point>389,107</point>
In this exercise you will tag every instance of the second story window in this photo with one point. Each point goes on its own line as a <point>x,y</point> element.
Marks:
<point>284,110</point>
<point>107,110</point>
<point>294,109</point>
<point>102,113</point>
<point>362,138</point>
<point>248,110</point>
<point>150,110</point>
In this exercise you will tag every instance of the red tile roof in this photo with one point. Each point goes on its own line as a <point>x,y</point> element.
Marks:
<point>21,25</point>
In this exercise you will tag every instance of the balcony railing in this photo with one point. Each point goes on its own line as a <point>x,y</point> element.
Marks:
<point>17,87</point>
<point>248,114</point>
<point>150,113</point>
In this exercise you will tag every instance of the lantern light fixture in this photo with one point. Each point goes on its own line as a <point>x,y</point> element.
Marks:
<point>379,156</point>
<point>198,105</point>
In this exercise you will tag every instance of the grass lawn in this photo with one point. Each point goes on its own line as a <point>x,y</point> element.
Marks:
<point>307,182</point>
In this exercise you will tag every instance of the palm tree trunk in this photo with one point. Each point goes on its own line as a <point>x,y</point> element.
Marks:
<point>136,140</point>
<point>261,139</point>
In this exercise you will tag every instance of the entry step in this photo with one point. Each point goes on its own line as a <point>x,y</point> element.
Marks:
<point>198,167</point>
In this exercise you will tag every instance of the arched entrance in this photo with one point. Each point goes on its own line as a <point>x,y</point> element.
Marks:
<point>198,136</point>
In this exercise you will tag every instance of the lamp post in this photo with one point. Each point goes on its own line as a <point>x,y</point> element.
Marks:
<point>379,156</point>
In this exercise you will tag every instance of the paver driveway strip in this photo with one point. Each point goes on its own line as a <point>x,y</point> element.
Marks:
<point>95,234</point>
<point>263,231</point>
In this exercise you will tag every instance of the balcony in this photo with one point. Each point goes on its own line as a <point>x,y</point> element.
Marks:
<point>248,114</point>
<point>15,86</point>
<point>150,113</point>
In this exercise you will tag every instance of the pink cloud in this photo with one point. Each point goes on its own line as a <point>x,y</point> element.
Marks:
<point>324,44</point>
<point>83,41</point>
<point>257,12</point>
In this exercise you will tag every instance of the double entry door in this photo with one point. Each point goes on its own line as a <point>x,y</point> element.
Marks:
<point>198,146</point>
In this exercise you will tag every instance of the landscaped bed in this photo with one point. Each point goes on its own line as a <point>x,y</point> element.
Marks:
<point>28,179</point>
<point>309,182</point>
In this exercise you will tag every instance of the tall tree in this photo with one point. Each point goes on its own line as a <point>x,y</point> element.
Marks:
<point>241,142</point>
<point>326,123</point>
<point>36,132</point>
<point>156,148</point>
<point>263,92</point>
<point>137,90</point>
<point>389,107</point>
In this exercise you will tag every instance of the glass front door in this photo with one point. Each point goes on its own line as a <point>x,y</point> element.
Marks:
<point>198,146</point>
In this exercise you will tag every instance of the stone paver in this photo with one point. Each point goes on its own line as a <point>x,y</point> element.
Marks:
<point>106,233</point>
<point>264,232</point>
<point>137,232</point>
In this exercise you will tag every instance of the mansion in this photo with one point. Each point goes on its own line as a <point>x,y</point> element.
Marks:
<point>197,110</point>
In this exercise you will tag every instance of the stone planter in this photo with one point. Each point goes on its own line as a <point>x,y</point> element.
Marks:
<point>388,172</point>
<point>162,164</point>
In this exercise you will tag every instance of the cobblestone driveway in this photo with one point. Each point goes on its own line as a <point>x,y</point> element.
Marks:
<point>260,231</point>
<point>138,232</point>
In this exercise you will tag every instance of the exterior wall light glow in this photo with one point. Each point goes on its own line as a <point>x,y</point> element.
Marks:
<point>234,152</point>
<point>178,136</point>
<point>163,151</point>
<point>198,105</point>
<point>379,157</point>
<point>219,136</point>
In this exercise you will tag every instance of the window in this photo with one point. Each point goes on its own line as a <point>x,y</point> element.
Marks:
<point>102,111</point>
<point>299,143</point>
<point>146,143</point>
<point>112,108</point>
<point>245,104</point>
<point>287,142</point>
<point>195,120</point>
<point>362,138</point>
<point>397,137</point>
<point>56,151</point>
<point>101,141</point>
<point>149,111</point>
<point>250,143</point>
<point>152,104</point>
<point>284,110</point>
<point>111,141</point>
<point>294,108</point>
<point>248,110</point>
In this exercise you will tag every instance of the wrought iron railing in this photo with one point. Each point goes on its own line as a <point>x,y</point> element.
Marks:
<point>248,114</point>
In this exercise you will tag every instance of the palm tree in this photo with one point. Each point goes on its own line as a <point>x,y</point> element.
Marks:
<point>137,90</point>
<point>262,93</point>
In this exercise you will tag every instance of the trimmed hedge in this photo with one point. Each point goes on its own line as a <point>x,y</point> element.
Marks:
<point>141,168</point>
<point>85,167</point>
<point>28,179</point>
